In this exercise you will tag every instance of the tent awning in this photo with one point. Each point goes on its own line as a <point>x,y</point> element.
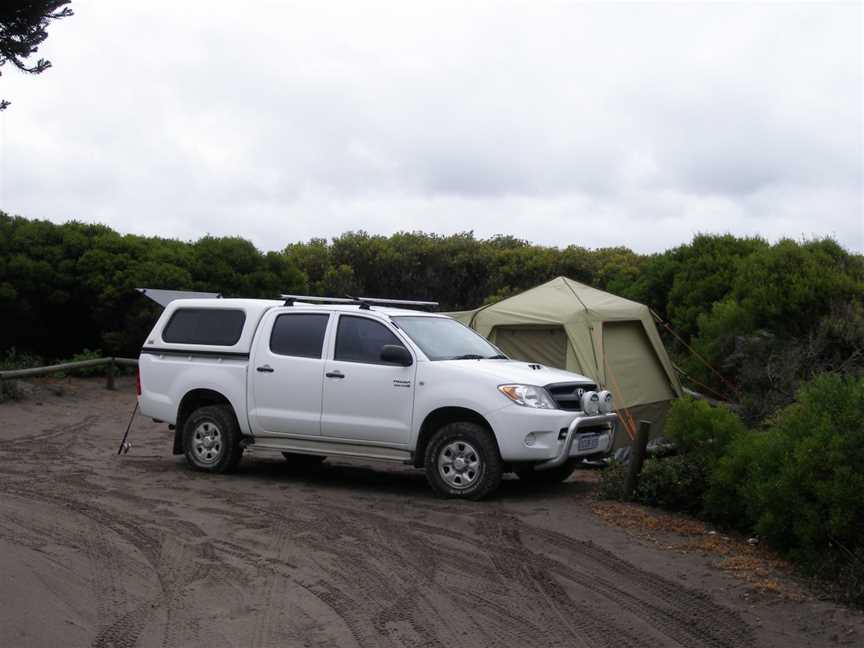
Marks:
<point>165,297</point>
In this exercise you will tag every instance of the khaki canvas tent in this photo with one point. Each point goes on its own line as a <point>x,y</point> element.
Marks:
<point>569,325</point>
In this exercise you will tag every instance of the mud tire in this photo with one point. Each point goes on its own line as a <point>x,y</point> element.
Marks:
<point>203,421</point>
<point>481,443</point>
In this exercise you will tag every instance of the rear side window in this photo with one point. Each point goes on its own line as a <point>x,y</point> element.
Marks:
<point>216,326</point>
<point>300,335</point>
<point>360,340</point>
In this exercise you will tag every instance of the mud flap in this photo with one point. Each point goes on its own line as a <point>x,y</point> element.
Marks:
<point>178,442</point>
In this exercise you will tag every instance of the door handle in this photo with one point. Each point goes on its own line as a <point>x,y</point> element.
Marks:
<point>265,369</point>
<point>335,374</point>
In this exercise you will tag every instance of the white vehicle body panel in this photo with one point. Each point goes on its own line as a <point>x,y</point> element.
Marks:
<point>371,403</point>
<point>374,410</point>
<point>171,377</point>
<point>287,400</point>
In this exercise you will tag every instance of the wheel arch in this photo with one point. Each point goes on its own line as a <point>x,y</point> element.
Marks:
<point>191,401</point>
<point>440,417</point>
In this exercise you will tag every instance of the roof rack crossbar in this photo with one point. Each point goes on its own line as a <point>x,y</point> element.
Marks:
<point>399,302</point>
<point>364,302</point>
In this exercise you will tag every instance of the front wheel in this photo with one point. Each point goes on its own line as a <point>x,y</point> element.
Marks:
<point>462,461</point>
<point>211,439</point>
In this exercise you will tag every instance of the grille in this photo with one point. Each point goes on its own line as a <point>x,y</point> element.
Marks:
<point>567,395</point>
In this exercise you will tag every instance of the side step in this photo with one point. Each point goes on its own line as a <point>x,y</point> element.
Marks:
<point>329,448</point>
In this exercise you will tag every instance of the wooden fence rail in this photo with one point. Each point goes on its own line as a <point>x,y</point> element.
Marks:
<point>111,363</point>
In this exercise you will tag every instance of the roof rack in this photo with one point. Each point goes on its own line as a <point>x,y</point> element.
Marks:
<point>364,302</point>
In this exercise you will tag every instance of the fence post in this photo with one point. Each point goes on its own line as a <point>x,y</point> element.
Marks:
<point>109,380</point>
<point>637,457</point>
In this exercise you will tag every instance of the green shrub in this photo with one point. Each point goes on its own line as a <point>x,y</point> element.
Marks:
<point>675,483</point>
<point>9,391</point>
<point>702,433</point>
<point>698,428</point>
<point>14,359</point>
<point>87,354</point>
<point>799,483</point>
<point>612,481</point>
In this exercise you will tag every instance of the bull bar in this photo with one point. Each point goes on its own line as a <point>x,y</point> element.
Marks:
<point>572,432</point>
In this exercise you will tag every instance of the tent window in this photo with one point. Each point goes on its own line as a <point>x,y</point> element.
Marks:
<point>632,365</point>
<point>546,345</point>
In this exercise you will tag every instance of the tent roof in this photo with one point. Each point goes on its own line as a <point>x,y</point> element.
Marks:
<point>564,300</point>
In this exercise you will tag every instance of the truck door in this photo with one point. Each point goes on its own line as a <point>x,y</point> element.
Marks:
<point>366,399</point>
<point>285,374</point>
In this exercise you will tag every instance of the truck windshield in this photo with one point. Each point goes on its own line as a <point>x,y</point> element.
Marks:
<point>443,338</point>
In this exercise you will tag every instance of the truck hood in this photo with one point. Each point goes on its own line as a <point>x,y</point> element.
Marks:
<point>515,371</point>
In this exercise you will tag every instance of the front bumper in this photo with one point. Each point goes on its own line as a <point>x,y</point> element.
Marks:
<point>555,435</point>
<point>573,435</point>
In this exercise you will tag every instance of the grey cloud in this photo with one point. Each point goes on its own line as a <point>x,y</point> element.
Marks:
<point>588,124</point>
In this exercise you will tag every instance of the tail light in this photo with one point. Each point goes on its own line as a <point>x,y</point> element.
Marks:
<point>138,381</point>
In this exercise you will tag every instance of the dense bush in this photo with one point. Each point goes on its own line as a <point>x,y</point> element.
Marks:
<point>15,359</point>
<point>698,428</point>
<point>770,368</point>
<point>87,354</point>
<point>783,295</point>
<point>701,434</point>
<point>612,481</point>
<point>71,286</point>
<point>675,483</point>
<point>799,483</point>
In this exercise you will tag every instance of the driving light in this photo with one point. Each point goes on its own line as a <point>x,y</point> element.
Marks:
<point>591,403</point>
<point>530,439</point>
<point>606,405</point>
<point>528,396</point>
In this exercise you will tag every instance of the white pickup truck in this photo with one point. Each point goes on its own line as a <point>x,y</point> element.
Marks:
<point>362,379</point>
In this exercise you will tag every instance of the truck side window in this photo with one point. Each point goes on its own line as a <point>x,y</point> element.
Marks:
<point>216,326</point>
<point>299,334</point>
<point>360,339</point>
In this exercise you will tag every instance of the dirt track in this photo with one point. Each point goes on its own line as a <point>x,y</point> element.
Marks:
<point>100,550</point>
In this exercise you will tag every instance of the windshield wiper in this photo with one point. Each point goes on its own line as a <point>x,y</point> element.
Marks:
<point>500,356</point>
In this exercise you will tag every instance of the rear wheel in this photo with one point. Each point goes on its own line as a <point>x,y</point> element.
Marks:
<point>211,439</point>
<point>300,461</point>
<point>462,460</point>
<point>551,476</point>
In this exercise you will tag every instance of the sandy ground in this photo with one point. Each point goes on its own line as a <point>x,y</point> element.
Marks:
<point>101,550</point>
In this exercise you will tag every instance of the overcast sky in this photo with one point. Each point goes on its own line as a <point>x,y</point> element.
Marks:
<point>560,123</point>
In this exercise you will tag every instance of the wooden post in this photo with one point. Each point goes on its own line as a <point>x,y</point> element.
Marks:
<point>109,380</point>
<point>637,457</point>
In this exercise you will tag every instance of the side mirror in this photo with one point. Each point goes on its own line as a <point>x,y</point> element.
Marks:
<point>395,354</point>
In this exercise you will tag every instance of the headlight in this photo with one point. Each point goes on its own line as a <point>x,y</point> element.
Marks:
<point>591,403</point>
<point>528,396</point>
<point>606,405</point>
